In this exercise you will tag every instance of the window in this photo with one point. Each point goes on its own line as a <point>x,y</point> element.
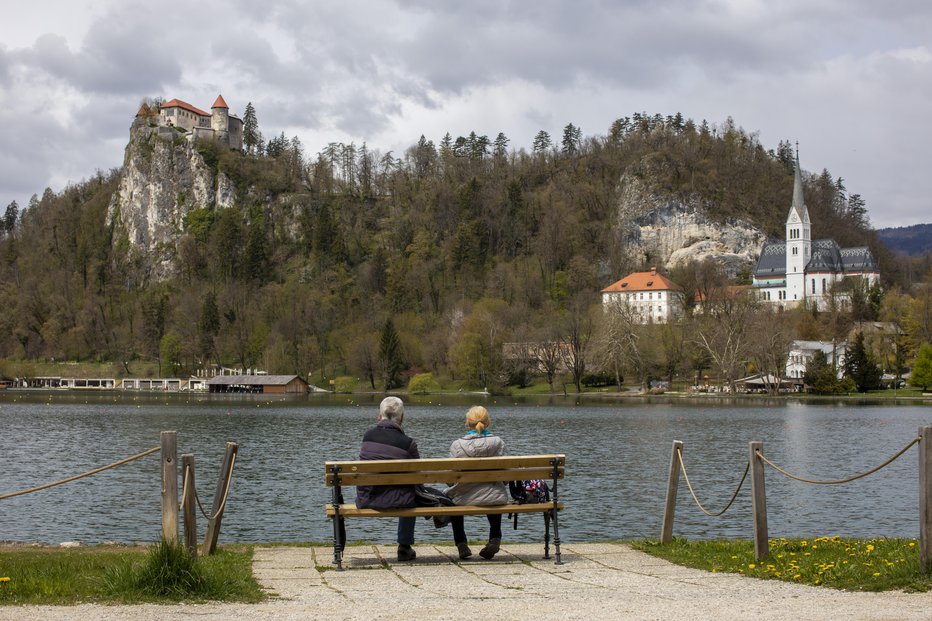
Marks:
<point>823,286</point>
<point>650,295</point>
<point>659,295</point>
<point>813,286</point>
<point>795,251</point>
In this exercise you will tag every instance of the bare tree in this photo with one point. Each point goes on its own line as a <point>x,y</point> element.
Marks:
<point>725,329</point>
<point>578,330</point>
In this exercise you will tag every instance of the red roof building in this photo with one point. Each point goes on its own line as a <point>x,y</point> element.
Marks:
<point>650,296</point>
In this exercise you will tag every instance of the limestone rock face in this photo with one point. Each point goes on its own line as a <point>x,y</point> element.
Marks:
<point>667,232</point>
<point>164,178</point>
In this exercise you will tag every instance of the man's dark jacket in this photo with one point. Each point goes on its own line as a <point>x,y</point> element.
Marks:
<point>386,441</point>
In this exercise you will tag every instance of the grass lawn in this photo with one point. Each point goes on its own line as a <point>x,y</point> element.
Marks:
<point>121,574</point>
<point>850,564</point>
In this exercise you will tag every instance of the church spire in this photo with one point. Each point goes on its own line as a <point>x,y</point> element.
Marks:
<point>799,205</point>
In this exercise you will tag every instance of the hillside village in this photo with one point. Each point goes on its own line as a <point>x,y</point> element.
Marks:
<point>643,259</point>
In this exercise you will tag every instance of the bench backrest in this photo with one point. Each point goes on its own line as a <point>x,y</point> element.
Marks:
<point>447,470</point>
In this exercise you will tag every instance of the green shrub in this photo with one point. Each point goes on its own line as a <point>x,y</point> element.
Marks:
<point>344,383</point>
<point>169,571</point>
<point>423,383</point>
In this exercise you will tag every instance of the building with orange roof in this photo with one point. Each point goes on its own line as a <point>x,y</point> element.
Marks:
<point>651,296</point>
<point>217,125</point>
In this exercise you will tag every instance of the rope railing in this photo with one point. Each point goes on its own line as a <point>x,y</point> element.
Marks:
<point>838,481</point>
<point>197,498</point>
<point>679,455</point>
<point>82,475</point>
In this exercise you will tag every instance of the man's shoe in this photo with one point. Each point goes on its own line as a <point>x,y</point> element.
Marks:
<point>406,553</point>
<point>464,550</point>
<point>491,549</point>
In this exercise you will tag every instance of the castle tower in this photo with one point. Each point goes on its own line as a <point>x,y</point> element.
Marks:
<point>220,120</point>
<point>798,242</point>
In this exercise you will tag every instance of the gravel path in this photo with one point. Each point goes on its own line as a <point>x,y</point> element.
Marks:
<point>597,581</point>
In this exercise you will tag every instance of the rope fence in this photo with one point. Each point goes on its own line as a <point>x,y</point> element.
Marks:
<point>755,467</point>
<point>747,468</point>
<point>839,481</point>
<point>82,475</point>
<point>197,498</point>
<point>169,493</point>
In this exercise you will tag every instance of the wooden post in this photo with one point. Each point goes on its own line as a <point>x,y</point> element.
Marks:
<point>759,502</point>
<point>213,526</point>
<point>925,498</point>
<point>673,482</point>
<point>189,504</point>
<point>170,486</point>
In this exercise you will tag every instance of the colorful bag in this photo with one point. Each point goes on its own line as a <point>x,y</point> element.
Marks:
<point>523,492</point>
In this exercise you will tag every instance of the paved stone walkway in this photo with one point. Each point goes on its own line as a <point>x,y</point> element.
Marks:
<point>596,581</point>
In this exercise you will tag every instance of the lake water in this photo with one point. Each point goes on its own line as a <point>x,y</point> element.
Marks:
<point>617,462</point>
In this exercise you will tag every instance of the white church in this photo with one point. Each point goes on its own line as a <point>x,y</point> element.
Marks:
<point>801,269</point>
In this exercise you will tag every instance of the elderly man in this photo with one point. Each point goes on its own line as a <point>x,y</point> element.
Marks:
<point>387,440</point>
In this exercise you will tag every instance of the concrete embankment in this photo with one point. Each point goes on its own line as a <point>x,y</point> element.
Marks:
<point>596,581</point>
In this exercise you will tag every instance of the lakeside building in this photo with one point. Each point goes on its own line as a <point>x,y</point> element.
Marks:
<point>651,296</point>
<point>801,353</point>
<point>802,270</point>
<point>266,384</point>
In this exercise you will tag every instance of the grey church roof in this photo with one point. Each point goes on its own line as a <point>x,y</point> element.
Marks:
<point>772,263</point>
<point>827,256</point>
<point>859,259</point>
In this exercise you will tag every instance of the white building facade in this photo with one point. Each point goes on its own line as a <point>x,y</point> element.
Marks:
<point>801,353</point>
<point>651,296</point>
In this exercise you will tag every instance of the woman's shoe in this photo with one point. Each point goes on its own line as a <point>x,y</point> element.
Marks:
<point>490,549</point>
<point>406,553</point>
<point>464,550</point>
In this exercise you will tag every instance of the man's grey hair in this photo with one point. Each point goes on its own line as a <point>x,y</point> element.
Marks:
<point>392,408</point>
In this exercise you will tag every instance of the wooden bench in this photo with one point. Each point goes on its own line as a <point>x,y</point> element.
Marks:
<point>340,474</point>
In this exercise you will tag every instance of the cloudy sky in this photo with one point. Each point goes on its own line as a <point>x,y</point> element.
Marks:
<point>851,80</point>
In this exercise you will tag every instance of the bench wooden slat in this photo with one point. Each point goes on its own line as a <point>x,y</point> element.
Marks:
<point>445,476</point>
<point>350,510</point>
<point>447,463</point>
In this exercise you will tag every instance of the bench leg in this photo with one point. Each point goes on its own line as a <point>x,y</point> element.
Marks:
<point>547,535</point>
<point>556,536</point>
<point>339,530</point>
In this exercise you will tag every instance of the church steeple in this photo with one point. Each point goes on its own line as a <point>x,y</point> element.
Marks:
<point>799,204</point>
<point>798,240</point>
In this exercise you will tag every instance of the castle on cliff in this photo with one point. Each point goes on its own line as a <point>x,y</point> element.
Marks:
<point>802,269</point>
<point>179,116</point>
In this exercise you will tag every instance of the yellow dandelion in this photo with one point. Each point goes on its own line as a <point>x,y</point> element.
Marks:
<point>876,573</point>
<point>751,565</point>
<point>912,544</point>
<point>870,548</point>
<point>797,577</point>
<point>4,578</point>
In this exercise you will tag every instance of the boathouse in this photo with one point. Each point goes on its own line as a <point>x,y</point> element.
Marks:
<point>267,384</point>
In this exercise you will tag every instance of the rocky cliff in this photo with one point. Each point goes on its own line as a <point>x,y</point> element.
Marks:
<point>164,178</point>
<point>668,232</point>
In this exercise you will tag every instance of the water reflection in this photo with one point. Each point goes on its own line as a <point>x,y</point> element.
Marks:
<point>617,459</point>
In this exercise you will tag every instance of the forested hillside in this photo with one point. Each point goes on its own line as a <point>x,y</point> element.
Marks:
<point>380,265</point>
<point>913,240</point>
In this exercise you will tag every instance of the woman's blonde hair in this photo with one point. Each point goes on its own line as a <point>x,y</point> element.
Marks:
<point>478,417</point>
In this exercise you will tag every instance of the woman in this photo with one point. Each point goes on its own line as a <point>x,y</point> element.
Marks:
<point>478,442</point>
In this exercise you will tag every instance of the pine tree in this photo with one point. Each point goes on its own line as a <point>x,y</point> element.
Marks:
<point>542,142</point>
<point>208,326</point>
<point>390,357</point>
<point>860,366</point>
<point>251,136</point>
<point>9,217</point>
